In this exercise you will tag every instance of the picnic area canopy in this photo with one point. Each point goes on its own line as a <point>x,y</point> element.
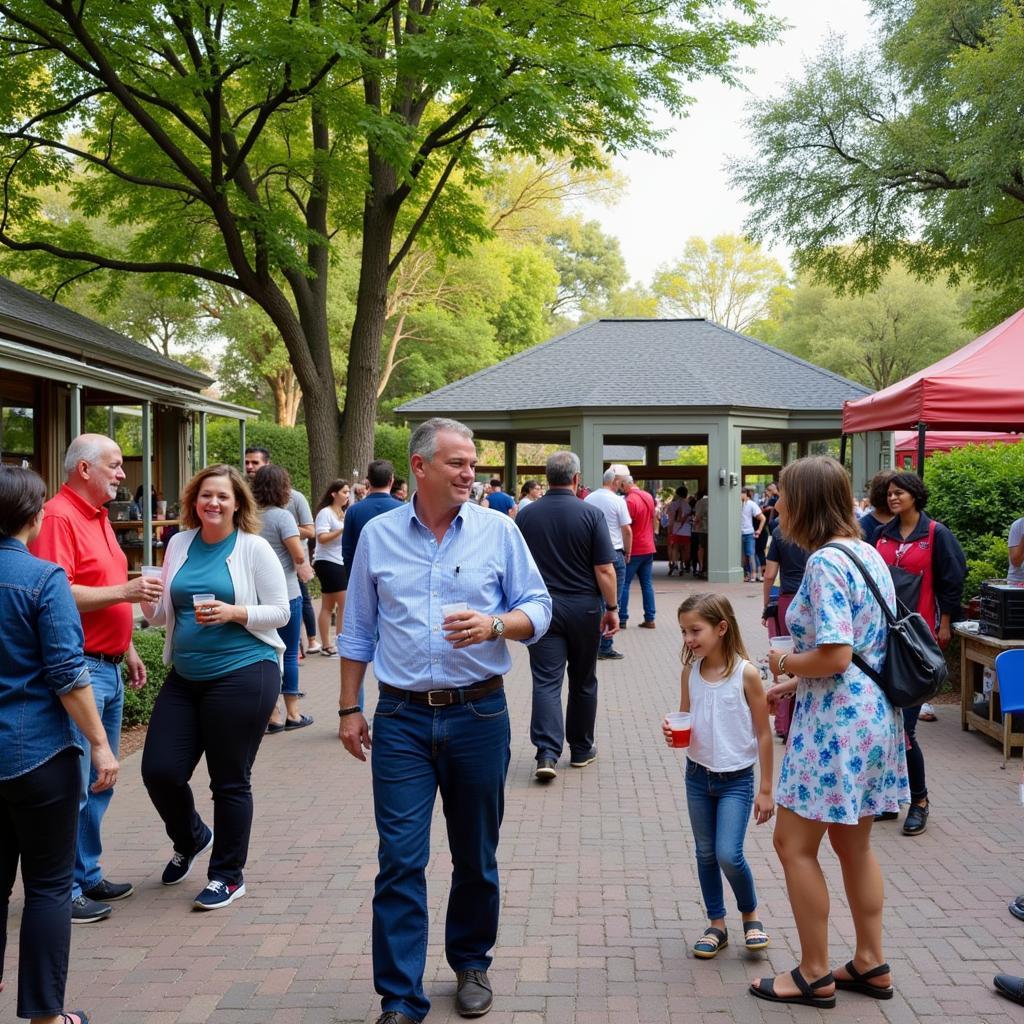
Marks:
<point>978,387</point>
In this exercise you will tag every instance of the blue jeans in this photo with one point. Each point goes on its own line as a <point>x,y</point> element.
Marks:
<point>749,559</point>
<point>642,566</point>
<point>620,579</point>
<point>108,691</point>
<point>720,805</point>
<point>464,752</point>
<point>291,633</point>
<point>308,612</point>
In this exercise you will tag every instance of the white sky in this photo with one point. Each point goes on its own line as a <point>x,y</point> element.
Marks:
<point>669,199</point>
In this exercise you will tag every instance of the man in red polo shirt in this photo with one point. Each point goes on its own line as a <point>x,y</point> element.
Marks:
<point>641,556</point>
<point>77,536</point>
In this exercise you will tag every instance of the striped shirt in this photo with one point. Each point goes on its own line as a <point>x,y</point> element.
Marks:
<point>401,577</point>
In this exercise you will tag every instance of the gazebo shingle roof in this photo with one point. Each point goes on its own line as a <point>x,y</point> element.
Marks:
<point>645,363</point>
<point>22,306</point>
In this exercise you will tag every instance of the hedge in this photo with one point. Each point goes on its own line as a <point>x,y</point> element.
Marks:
<point>976,492</point>
<point>289,447</point>
<point>138,704</point>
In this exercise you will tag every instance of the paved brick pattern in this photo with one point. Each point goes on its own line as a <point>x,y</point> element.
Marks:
<point>600,893</point>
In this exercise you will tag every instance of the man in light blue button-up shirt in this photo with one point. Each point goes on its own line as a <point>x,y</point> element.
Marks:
<point>436,589</point>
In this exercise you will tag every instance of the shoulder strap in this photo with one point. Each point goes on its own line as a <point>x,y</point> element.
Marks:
<point>890,618</point>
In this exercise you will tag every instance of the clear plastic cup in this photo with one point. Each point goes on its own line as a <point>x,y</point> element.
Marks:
<point>201,599</point>
<point>153,572</point>
<point>680,722</point>
<point>781,643</point>
<point>452,608</point>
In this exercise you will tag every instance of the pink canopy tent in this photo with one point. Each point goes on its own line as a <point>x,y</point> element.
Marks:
<point>907,441</point>
<point>980,387</point>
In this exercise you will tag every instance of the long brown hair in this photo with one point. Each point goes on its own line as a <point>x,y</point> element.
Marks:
<point>328,496</point>
<point>817,502</point>
<point>713,609</point>
<point>246,518</point>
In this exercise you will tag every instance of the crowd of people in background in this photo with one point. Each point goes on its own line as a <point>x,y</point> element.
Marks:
<point>551,571</point>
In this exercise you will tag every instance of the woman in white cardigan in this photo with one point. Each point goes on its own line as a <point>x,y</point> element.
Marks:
<point>224,599</point>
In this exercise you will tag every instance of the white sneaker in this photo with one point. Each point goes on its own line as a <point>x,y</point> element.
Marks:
<point>314,648</point>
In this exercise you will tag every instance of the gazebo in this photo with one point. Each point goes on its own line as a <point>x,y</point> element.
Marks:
<point>656,383</point>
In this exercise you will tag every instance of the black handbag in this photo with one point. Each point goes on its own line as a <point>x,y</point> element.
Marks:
<point>915,667</point>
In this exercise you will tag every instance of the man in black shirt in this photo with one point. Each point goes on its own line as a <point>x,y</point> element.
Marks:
<point>570,543</point>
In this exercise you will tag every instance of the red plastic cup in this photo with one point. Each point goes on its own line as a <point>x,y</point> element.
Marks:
<point>680,722</point>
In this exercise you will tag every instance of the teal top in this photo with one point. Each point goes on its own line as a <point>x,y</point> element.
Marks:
<point>209,652</point>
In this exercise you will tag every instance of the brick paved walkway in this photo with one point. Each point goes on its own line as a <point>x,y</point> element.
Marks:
<point>598,882</point>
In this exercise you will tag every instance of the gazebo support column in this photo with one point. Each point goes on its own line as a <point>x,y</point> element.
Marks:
<point>511,480</point>
<point>147,482</point>
<point>867,459</point>
<point>75,410</point>
<point>724,555</point>
<point>588,443</point>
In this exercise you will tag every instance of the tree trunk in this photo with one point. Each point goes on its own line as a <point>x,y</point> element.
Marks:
<point>367,329</point>
<point>309,351</point>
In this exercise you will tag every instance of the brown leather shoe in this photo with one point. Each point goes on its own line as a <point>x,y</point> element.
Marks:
<point>648,624</point>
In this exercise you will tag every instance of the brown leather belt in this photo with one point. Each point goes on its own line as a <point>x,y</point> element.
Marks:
<point>446,697</point>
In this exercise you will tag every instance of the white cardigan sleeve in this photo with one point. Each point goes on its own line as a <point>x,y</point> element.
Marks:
<point>272,610</point>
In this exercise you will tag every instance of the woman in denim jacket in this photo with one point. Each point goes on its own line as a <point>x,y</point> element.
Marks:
<point>43,679</point>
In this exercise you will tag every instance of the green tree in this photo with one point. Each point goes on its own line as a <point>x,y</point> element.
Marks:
<point>876,338</point>
<point>909,152</point>
<point>591,269</point>
<point>729,280</point>
<point>238,138</point>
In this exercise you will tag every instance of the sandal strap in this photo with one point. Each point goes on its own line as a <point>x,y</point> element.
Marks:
<point>875,972</point>
<point>715,935</point>
<point>749,926</point>
<point>808,989</point>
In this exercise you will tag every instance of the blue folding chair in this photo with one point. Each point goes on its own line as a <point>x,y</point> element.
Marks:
<point>1010,680</point>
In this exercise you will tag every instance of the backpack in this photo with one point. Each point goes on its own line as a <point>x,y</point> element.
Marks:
<point>915,667</point>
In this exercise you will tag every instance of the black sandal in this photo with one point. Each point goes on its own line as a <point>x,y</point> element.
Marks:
<point>858,982</point>
<point>765,989</point>
<point>66,1018</point>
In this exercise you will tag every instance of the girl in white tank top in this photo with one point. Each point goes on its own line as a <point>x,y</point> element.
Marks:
<point>729,733</point>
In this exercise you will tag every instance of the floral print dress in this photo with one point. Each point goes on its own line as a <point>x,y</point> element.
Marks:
<point>846,758</point>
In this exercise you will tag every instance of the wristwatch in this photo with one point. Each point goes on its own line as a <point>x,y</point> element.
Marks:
<point>611,607</point>
<point>497,626</point>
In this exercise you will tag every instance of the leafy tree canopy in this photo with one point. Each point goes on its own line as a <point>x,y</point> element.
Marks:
<point>238,138</point>
<point>876,338</point>
<point>729,280</point>
<point>908,152</point>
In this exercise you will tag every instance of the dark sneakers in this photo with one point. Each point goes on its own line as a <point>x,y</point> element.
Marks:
<point>85,910</point>
<point>545,770</point>
<point>582,760</point>
<point>610,655</point>
<point>180,864</point>
<point>917,819</point>
<point>218,894</point>
<point>109,892</point>
<point>473,996</point>
<point>394,1017</point>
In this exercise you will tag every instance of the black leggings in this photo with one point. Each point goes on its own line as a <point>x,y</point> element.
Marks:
<point>915,757</point>
<point>224,718</point>
<point>39,827</point>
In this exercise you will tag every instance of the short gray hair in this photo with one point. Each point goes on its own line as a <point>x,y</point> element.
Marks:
<point>561,468</point>
<point>85,448</point>
<point>628,481</point>
<point>424,438</point>
<point>609,476</point>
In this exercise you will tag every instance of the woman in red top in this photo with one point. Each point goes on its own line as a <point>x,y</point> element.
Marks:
<point>928,568</point>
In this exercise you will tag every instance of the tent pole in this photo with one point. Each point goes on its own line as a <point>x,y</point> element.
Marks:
<point>842,449</point>
<point>921,429</point>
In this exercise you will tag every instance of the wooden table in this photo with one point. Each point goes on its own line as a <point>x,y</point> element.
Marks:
<point>978,651</point>
<point>134,548</point>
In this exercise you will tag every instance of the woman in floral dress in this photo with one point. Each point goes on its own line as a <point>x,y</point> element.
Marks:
<point>845,761</point>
